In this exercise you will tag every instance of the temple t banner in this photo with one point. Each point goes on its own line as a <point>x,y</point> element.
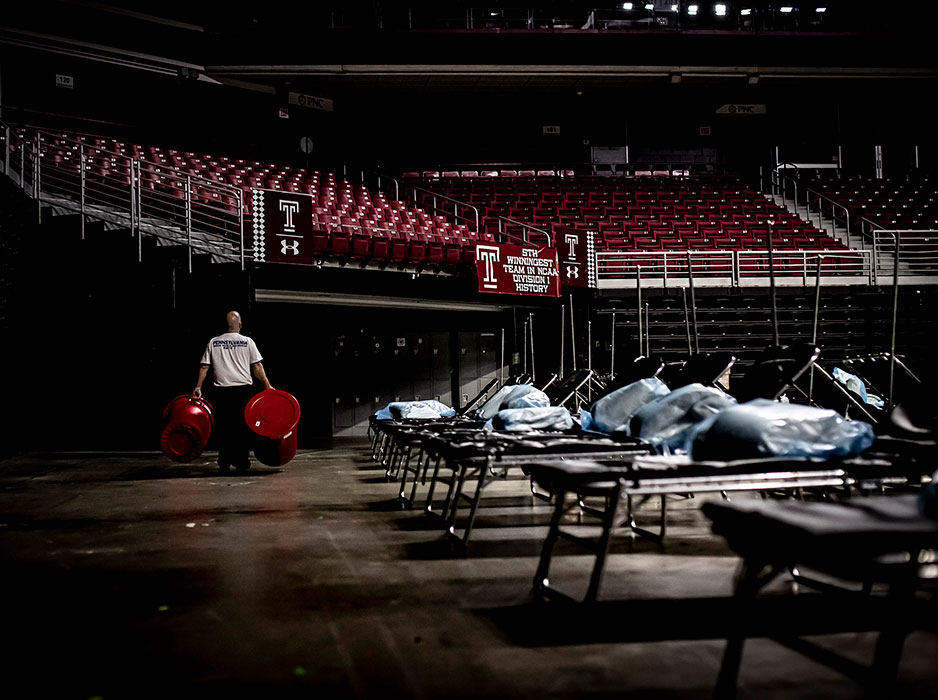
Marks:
<point>577,256</point>
<point>283,227</point>
<point>517,269</point>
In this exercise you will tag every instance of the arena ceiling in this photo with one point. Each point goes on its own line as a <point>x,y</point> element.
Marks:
<point>273,47</point>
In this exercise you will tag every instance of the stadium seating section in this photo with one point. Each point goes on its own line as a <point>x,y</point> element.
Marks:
<point>654,213</point>
<point>892,203</point>
<point>353,222</point>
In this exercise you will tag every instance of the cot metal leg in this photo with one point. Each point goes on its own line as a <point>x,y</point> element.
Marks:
<point>422,464</point>
<point>656,537</point>
<point>428,504</point>
<point>602,549</point>
<point>451,507</point>
<point>449,502</point>
<point>486,474</point>
<point>888,652</point>
<point>406,470</point>
<point>541,577</point>
<point>753,576</point>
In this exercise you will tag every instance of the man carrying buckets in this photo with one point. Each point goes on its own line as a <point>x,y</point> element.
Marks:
<point>232,358</point>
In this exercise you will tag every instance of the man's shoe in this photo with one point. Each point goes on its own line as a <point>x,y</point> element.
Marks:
<point>243,468</point>
<point>224,468</point>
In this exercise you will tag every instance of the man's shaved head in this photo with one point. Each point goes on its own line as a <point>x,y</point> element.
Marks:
<point>233,319</point>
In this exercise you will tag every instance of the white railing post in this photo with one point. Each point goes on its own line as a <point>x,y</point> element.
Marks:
<point>36,186</point>
<point>875,257</point>
<point>81,185</point>
<point>241,225</point>
<point>136,201</point>
<point>189,218</point>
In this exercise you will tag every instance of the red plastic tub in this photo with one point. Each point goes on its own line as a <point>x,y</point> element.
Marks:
<point>273,416</point>
<point>272,413</point>
<point>275,453</point>
<point>187,425</point>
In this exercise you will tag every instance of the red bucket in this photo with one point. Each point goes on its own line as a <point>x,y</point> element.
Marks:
<point>187,425</point>
<point>273,415</point>
<point>275,453</point>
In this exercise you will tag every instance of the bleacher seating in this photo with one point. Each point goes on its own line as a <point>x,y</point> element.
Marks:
<point>350,220</point>
<point>909,203</point>
<point>645,213</point>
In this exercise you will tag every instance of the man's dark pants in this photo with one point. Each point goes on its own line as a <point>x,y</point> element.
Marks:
<point>233,437</point>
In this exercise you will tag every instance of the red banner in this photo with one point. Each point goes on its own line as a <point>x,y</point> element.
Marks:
<point>577,256</point>
<point>517,269</point>
<point>283,227</point>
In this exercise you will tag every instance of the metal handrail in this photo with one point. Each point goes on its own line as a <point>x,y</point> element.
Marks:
<point>917,255</point>
<point>382,176</point>
<point>834,205</point>
<point>871,225</point>
<point>457,203</point>
<point>777,183</point>
<point>525,226</point>
<point>208,216</point>
<point>738,267</point>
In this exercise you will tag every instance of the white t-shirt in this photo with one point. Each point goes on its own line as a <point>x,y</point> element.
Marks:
<point>231,356</point>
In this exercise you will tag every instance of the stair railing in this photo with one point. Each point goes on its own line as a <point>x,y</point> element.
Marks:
<point>834,207</point>
<point>152,198</point>
<point>440,204</point>
<point>782,183</point>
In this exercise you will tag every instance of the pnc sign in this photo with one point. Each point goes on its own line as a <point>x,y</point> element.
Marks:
<point>742,110</point>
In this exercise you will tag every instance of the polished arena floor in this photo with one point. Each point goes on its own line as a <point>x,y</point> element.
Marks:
<point>126,575</point>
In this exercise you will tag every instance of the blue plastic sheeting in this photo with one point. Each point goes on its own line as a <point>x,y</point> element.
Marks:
<point>523,419</point>
<point>856,385</point>
<point>668,422</point>
<point>512,396</point>
<point>763,428</point>
<point>613,412</point>
<point>429,409</point>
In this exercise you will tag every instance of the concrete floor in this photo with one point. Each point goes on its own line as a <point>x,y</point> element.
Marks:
<point>127,576</point>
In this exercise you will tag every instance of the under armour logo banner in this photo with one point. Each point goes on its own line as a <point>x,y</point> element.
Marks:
<point>518,269</point>
<point>283,227</point>
<point>577,256</point>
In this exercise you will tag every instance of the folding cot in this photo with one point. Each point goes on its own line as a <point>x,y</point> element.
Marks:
<point>486,456</point>
<point>873,540</point>
<point>616,483</point>
<point>408,438</point>
<point>383,430</point>
<point>468,454</point>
